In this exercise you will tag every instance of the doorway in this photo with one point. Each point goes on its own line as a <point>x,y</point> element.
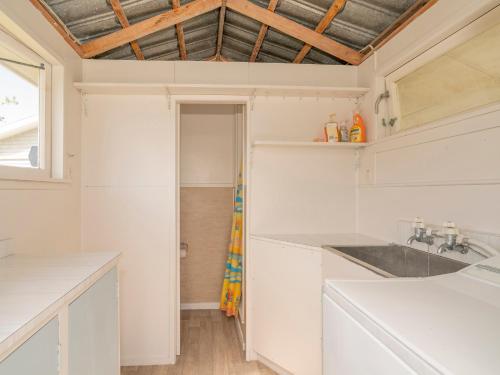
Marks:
<point>211,155</point>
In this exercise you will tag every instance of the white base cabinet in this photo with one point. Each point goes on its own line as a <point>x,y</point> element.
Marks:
<point>81,339</point>
<point>285,283</point>
<point>38,355</point>
<point>93,329</point>
<point>349,349</point>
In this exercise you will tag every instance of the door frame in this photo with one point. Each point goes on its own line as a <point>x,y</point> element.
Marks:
<point>175,102</point>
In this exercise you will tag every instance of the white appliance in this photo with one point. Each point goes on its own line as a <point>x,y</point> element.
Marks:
<point>447,324</point>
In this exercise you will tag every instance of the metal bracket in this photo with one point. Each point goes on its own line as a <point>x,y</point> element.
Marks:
<point>252,100</point>
<point>169,98</point>
<point>390,123</point>
<point>85,103</point>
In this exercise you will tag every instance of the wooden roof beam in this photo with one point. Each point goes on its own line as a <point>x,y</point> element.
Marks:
<point>148,26</point>
<point>295,30</point>
<point>122,18</point>
<point>334,9</point>
<point>220,30</point>
<point>60,28</point>
<point>179,29</point>
<point>262,32</point>
<point>413,12</point>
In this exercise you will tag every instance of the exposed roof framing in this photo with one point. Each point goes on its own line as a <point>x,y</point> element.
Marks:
<point>220,31</point>
<point>57,24</point>
<point>148,26</point>
<point>122,18</point>
<point>262,32</point>
<point>334,9</point>
<point>295,30</point>
<point>300,31</point>
<point>179,29</point>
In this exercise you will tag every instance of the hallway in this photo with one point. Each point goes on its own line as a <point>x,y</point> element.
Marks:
<point>209,346</point>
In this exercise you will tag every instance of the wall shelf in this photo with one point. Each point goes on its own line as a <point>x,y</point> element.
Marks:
<point>340,145</point>
<point>109,88</point>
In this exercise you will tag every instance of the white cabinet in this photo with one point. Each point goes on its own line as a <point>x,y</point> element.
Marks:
<point>286,283</point>
<point>348,349</point>
<point>38,355</point>
<point>286,306</point>
<point>93,329</point>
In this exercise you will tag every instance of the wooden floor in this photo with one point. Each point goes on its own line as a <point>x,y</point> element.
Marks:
<point>209,345</point>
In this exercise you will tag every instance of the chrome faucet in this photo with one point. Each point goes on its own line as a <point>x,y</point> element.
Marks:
<point>453,240</point>
<point>422,234</point>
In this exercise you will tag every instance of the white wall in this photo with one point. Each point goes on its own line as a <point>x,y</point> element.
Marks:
<point>129,181</point>
<point>300,189</point>
<point>443,171</point>
<point>128,205</point>
<point>45,217</point>
<point>207,144</point>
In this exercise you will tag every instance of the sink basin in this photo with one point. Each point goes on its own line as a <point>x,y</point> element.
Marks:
<point>398,261</point>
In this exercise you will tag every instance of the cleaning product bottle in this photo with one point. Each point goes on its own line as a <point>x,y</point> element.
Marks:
<point>332,129</point>
<point>358,129</point>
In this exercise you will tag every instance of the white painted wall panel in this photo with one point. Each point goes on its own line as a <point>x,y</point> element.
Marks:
<point>207,144</point>
<point>35,214</point>
<point>125,140</point>
<point>300,190</point>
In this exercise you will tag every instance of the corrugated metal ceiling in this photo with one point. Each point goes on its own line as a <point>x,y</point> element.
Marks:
<point>356,26</point>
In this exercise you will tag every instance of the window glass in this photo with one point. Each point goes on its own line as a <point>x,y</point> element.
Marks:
<point>466,77</point>
<point>20,115</point>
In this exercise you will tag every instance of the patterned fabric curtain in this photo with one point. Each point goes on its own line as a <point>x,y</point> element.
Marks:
<point>231,289</point>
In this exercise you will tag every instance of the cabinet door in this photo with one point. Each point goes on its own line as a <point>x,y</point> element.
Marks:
<point>93,329</point>
<point>38,355</point>
<point>349,349</point>
<point>286,306</point>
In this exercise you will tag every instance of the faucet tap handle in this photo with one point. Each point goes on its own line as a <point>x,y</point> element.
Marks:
<point>418,223</point>
<point>450,228</point>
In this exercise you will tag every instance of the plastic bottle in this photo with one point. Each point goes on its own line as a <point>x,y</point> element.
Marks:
<point>332,129</point>
<point>358,129</point>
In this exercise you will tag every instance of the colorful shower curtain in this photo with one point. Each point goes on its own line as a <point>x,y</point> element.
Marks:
<point>231,289</point>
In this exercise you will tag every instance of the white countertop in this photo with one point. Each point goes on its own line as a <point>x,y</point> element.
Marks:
<point>451,321</point>
<point>32,286</point>
<point>321,239</point>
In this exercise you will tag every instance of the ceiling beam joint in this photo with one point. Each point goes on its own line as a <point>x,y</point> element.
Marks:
<point>122,18</point>
<point>334,9</point>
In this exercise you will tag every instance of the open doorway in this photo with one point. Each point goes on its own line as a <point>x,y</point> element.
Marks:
<point>212,149</point>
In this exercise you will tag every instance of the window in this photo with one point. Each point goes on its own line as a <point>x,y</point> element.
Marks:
<point>465,77</point>
<point>24,84</point>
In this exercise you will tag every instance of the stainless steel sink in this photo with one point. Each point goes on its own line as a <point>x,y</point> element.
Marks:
<point>398,261</point>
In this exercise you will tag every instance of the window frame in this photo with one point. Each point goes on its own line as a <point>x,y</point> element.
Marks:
<point>476,27</point>
<point>44,169</point>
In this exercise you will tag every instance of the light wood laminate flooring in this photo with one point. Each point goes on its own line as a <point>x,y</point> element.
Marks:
<point>209,346</point>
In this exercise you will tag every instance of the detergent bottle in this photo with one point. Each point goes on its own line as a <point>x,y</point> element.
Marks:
<point>358,129</point>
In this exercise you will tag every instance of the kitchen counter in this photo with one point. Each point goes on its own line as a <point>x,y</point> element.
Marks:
<point>34,288</point>
<point>321,239</point>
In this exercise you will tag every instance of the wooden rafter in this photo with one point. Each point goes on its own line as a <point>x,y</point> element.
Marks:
<point>417,9</point>
<point>181,41</point>
<point>334,9</point>
<point>295,30</point>
<point>49,16</point>
<point>148,26</point>
<point>262,32</point>
<point>122,18</point>
<point>220,30</point>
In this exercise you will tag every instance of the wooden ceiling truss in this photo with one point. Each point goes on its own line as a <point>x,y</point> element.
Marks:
<point>130,33</point>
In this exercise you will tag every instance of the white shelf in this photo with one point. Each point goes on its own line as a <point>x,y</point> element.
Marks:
<point>109,88</point>
<point>344,145</point>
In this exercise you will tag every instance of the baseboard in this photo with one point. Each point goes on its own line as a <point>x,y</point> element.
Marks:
<point>200,306</point>
<point>239,331</point>
<point>273,366</point>
<point>145,361</point>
